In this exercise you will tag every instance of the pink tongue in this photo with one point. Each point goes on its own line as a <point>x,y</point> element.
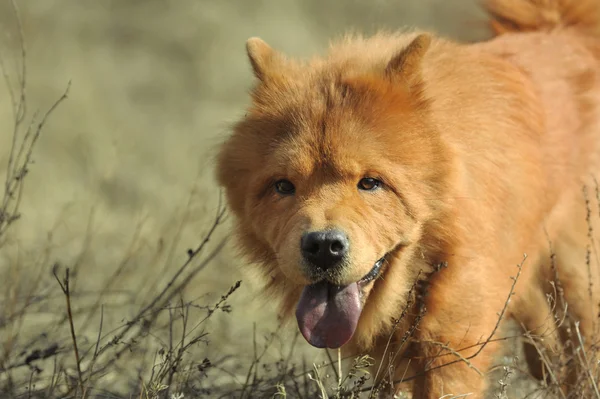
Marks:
<point>327,315</point>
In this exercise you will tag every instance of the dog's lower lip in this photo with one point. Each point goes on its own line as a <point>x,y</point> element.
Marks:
<point>372,275</point>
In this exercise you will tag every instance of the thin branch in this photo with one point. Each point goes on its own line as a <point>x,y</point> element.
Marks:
<point>65,288</point>
<point>588,369</point>
<point>482,344</point>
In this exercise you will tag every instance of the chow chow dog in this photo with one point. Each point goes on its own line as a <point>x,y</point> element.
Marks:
<point>395,184</point>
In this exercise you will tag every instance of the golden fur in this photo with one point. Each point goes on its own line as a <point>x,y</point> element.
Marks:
<point>483,149</point>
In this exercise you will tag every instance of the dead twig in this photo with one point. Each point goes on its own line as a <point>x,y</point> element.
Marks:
<point>584,359</point>
<point>64,285</point>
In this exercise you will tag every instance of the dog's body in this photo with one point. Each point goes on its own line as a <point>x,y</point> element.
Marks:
<point>402,152</point>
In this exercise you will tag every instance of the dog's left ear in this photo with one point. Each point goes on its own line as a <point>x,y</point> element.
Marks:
<point>262,57</point>
<point>406,64</point>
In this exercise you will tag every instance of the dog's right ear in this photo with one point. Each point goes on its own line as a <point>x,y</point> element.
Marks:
<point>407,63</point>
<point>262,57</point>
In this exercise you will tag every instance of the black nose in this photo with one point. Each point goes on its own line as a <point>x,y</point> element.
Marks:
<point>325,249</point>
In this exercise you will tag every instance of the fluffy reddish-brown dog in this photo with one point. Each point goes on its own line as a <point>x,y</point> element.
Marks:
<point>355,174</point>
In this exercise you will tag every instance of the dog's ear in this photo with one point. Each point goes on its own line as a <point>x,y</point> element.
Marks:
<point>262,57</point>
<point>407,62</point>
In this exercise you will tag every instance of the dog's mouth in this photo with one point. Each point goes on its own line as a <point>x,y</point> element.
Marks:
<point>373,274</point>
<point>327,314</point>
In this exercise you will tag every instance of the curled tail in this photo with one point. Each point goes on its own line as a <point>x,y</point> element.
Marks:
<point>543,15</point>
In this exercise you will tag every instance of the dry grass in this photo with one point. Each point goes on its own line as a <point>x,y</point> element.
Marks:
<point>116,278</point>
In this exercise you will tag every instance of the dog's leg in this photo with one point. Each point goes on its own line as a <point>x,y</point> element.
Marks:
<point>446,370</point>
<point>537,316</point>
<point>464,308</point>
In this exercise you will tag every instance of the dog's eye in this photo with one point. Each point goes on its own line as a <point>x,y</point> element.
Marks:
<point>284,187</point>
<point>369,184</point>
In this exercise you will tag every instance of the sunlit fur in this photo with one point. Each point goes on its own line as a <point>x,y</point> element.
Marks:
<point>483,150</point>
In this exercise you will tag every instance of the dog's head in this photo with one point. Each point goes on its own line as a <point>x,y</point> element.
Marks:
<point>330,175</point>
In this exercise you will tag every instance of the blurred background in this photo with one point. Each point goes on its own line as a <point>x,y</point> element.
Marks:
<point>121,183</point>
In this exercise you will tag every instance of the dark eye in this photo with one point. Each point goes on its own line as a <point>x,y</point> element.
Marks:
<point>285,187</point>
<point>369,184</point>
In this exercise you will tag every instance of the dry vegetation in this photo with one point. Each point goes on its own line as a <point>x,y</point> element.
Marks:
<point>117,278</point>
